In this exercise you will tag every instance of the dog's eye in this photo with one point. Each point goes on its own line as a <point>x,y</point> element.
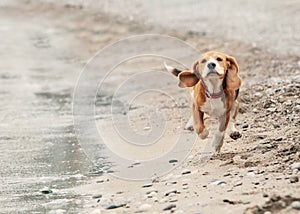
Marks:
<point>219,59</point>
<point>203,61</point>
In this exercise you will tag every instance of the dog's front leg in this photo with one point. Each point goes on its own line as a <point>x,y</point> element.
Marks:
<point>219,125</point>
<point>199,122</point>
<point>233,132</point>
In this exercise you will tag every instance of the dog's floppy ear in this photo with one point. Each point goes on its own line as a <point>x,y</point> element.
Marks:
<point>188,78</point>
<point>233,81</point>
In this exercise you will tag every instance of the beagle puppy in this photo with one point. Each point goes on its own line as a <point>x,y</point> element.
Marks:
<point>215,84</point>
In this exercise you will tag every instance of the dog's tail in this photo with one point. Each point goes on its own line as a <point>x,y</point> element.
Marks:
<point>172,70</point>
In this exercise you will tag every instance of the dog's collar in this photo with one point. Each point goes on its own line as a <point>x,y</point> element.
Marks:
<point>213,95</point>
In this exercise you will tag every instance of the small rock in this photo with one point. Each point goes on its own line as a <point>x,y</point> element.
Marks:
<point>169,207</point>
<point>173,161</point>
<point>155,199</point>
<point>245,126</point>
<point>296,165</point>
<point>147,185</point>
<point>186,171</point>
<point>279,139</point>
<point>151,190</point>
<point>266,142</point>
<point>113,206</point>
<point>238,183</point>
<point>218,182</point>
<point>147,128</point>
<point>97,196</point>
<point>172,200</point>
<point>251,174</point>
<point>294,179</point>
<point>152,194</point>
<point>171,183</point>
<point>144,207</point>
<point>265,195</point>
<point>227,174</point>
<point>185,186</point>
<point>269,91</point>
<point>172,194</point>
<point>170,191</point>
<point>288,103</point>
<point>296,205</point>
<point>46,190</point>
<point>255,110</point>
<point>258,94</point>
<point>271,109</point>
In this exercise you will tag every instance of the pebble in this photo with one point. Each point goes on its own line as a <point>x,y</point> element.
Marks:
<point>269,91</point>
<point>151,190</point>
<point>113,206</point>
<point>171,183</point>
<point>144,207</point>
<point>152,194</point>
<point>294,179</point>
<point>46,190</point>
<point>296,165</point>
<point>226,174</point>
<point>186,171</point>
<point>97,196</point>
<point>288,103</point>
<point>173,161</point>
<point>296,205</point>
<point>170,191</point>
<point>185,187</point>
<point>172,200</point>
<point>255,110</point>
<point>169,207</point>
<point>218,182</point>
<point>147,185</point>
<point>258,94</point>
<point>251,174</point>
<point>245,126</point>
<point>271,109</point>
<point>238,183</point>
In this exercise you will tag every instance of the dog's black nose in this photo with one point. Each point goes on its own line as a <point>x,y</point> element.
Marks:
<point>211,65</point>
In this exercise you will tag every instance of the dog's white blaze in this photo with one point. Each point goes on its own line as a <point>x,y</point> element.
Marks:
<point>214,107</point>
<point>218,68</point>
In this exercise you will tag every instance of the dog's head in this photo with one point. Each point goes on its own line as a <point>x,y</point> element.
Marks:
<point>212,65</point>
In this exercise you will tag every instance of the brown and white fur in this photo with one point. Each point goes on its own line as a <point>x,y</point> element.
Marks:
<point>215,84</point>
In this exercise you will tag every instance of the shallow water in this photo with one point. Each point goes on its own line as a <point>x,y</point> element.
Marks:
<point>37,141</point>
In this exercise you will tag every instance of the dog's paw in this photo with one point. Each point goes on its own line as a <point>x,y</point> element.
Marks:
<point>190,128</point>
<point>204,134</point>
<point>235,135</point>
